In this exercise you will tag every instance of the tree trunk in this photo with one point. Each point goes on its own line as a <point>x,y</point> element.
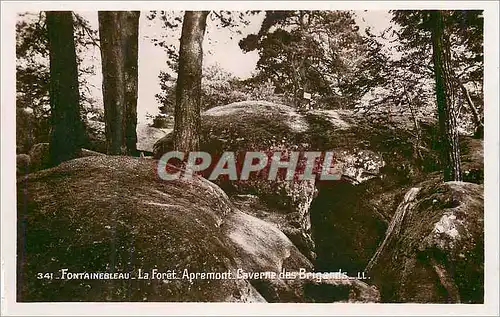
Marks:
<point>295,83</point>
<point>418,134</point>
<point>304,56</point>
<point>475,113</point>
<point>67,134</point>
<point>119,33</point>
<point>188,93</point>
<point>450,150</point>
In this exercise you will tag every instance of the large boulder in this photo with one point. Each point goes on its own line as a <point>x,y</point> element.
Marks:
<point>434,251</point>
<point>358,145</point>
<point>148,135</point>
<point>347,219</point>
<point>113,214</point>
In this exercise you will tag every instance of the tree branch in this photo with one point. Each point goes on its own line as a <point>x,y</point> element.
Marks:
<point>87,30</point>
<point>475,112</point>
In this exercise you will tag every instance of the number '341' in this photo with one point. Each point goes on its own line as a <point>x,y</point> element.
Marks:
<point>47,276</point>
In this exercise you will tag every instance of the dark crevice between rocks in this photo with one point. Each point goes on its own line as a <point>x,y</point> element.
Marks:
<point>345,230</point>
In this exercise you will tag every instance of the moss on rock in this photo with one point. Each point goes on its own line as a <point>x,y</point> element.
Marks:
<point>438,255</point>
<point>114,214</point>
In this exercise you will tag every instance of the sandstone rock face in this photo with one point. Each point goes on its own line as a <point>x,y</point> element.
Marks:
<point>253,238</point>
<point>288,223</point>
<point>331,224</point>
<point>114,214</point>
<point>437,255</point>
<point>146,136</point>
<point>349,222</point>
<point>101,213</point>
<point>266,127</point>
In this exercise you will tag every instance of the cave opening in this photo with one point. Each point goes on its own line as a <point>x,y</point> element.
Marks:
<point>345,229</point>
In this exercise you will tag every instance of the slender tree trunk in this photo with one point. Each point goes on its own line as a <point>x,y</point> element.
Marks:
<point>475,113</point>
<point>188,94</point>
<point>450,150</point>
<point>67,134</point>
<point>304,56</point>
<point>418,134</point>
<point>119,33</point>
<point>296,83</point>
<point>479,130</point>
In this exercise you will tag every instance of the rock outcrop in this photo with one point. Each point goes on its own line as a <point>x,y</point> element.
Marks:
<point>114,214</point>
<point>266,127</point>
<point>436,251</point>
<point>146,136</point>
<point>349,222</point>
<point>418,239</point>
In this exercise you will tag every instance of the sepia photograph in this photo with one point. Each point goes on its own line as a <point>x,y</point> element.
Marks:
<point>297,154</point>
